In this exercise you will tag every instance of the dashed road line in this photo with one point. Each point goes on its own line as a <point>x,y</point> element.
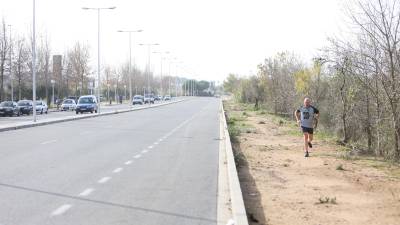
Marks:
<point>137,156</point>
<point>86,192</point>
<point>117,170</point>
<point>61,210</point>
<point>151,146</point>
<point>103,180</point>
<point>144,151</point>
<point>128,162</point>
<point>48,142</point>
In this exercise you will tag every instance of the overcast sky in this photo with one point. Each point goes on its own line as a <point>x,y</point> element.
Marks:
<point>211,38</point>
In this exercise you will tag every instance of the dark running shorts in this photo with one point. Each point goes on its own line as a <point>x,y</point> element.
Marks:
<point>307,130</point>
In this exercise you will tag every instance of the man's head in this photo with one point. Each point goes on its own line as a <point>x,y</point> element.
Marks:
<point>307,102</point>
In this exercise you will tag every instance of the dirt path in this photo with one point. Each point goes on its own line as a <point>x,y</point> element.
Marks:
<point>282,187</point>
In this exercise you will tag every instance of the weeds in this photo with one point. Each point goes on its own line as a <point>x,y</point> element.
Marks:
<point>327,200</point>
<point>339,167</point>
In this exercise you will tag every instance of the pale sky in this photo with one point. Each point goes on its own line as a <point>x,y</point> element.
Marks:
<point>211,38</point>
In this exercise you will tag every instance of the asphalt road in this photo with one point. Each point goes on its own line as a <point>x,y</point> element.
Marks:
<point>154,166</point>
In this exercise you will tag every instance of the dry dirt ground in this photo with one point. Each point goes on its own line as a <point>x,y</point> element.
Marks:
<point>282,187</point>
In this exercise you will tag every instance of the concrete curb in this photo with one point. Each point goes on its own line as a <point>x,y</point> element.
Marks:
<point>238,210</point>
<point>71,118</point>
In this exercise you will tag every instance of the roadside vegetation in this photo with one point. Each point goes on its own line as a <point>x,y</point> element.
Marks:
<point>354,82</point>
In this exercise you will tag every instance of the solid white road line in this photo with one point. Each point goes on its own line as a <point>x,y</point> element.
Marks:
<point>61,210</point>
<point>128,162</point>
<point>48,142</point>
<point>117,170</point>
<point>103,180</point>
<point>86,192</point>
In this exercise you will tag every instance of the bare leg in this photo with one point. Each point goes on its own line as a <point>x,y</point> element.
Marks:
<point>310,137</point>
<point>306,136</point>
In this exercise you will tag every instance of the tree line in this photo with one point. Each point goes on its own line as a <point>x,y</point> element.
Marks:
<point>355,82</point>
<point>71,72</point>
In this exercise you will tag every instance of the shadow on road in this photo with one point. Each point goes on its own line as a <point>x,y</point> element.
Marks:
<point>136,208</point>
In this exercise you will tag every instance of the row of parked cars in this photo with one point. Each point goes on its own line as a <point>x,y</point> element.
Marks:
<point>140,99</point>
<point>11,108</point>
<point>86,103</point>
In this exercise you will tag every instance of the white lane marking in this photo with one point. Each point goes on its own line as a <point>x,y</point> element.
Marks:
<point>160,140</point>
<point>150,147</point>
<point>103,180</point>
<point>155,143</point>
<point>128,162</point>
<point>48,142</point>
<point>119,169</point>
<point>144,151</point>
<point>86,192</point>
<point>85,132</point>
<point>61,210</point>
<point>137,156</point>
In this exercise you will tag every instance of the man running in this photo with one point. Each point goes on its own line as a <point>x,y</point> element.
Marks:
<point>305,117</point>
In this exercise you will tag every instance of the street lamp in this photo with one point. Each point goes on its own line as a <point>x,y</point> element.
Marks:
<point>115,93</point>
<point>149,67</point>
<point>98,49</point>
<point>52,85</point>
<point>161,60</point>
<point>130,58</point>
<point>125,91</point>
<point>11,80</point>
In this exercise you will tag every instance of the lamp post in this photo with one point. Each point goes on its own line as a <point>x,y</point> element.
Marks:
<point>52,86</point>
<point>11,79</point>
<point>98,49</point>
<point>130,58</point>
<point>34,62</point>
<point>149,67</point>
<point>125,91</point>
<point>108,92</point>
<point>115,93</point>
<point>161,71</point>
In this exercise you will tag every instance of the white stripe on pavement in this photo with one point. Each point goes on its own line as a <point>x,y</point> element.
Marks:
<point>86,192</point>
<point>61,210</point>
<point>137,156</point>
<point>103,180</point>
<point>117,170</point>
<point>128,162</point>
<point>48,142</point>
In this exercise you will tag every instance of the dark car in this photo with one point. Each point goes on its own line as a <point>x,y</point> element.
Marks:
<point>24,107</point>
<point>8,108</point>
<point>86,103</point>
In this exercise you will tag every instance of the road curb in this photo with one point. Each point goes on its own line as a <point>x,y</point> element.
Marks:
<point>237,204</point>
<point>72,118</point>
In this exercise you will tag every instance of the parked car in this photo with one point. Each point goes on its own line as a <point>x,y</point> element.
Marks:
<point>8,108</point>
<point>149,98</point>
<point>41,107</point>
<point>68,104</point>
<point>24,107</point>
<point>167,98</point>
<point>158,97</point>
<point>137,99</point>
<point>86,103</point>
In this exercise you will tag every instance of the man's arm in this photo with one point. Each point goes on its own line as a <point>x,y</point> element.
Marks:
<point>297,115</point>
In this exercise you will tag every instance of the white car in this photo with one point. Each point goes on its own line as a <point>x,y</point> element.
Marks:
<point>167,98</point>
<point>41,107</point>
<point>68,104</point>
